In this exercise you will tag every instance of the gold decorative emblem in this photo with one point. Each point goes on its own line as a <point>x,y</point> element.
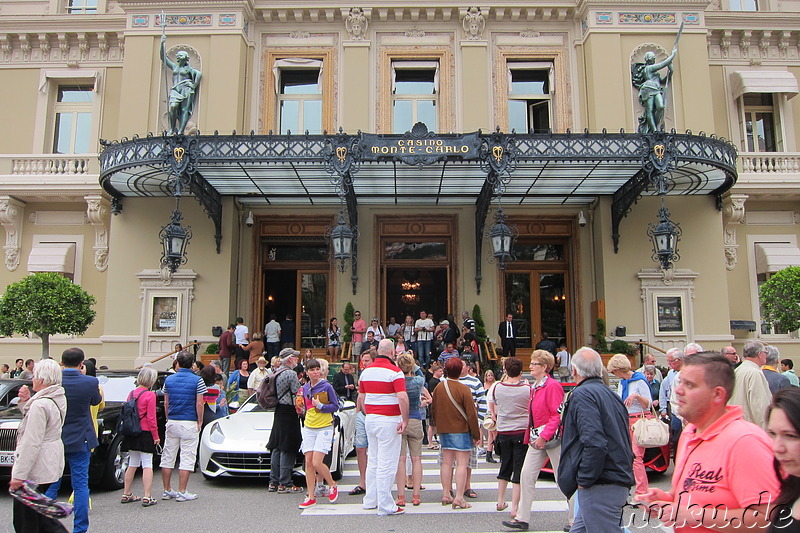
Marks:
<point>341,153</point>
<point>497,152</point>
<point>659,151</point>
<point>178,153</point>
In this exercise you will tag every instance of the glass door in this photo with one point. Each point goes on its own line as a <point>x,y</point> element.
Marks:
<point>312,301</point>
<point>538,301</point>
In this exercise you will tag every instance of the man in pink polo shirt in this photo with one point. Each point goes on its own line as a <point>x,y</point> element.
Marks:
<point>358,329</point>
<point>724,478</point>
<point>382,394</point>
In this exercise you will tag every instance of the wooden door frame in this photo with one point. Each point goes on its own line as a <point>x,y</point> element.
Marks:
<point>551,228</point>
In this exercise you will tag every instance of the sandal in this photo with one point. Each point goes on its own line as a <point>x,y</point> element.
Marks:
<point>147,502</point>
<point>357,490</point>
<point>433,447</point>
<point>415,500</point>
<point>502,507</point>
<point>129,498</point>
<point>400,501</point>
<point>461,505</point>
<point>446,502</point>
<point>469,493</point>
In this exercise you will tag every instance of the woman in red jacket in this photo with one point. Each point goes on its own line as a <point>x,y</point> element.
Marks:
<point>143,445</point>
<point>547,396</point>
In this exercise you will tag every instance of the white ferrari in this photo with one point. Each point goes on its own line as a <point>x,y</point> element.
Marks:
<point>236,445</point>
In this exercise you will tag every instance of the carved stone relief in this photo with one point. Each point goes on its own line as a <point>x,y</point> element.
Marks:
<point>474,23</point>
<point>11,217</point>
<point>733,212</point>
<point>97,212</point>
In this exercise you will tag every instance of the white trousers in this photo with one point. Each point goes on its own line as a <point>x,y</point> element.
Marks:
<point>382,457</point>
<point>534,461</point>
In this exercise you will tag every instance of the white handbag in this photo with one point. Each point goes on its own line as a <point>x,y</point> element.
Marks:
<point>651,432</point>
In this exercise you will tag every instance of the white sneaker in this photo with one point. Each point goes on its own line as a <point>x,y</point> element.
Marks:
<point>185,496</point>
<point>169,494</point>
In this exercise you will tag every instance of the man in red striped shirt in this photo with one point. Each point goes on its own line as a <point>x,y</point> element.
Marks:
<point>383,397</point>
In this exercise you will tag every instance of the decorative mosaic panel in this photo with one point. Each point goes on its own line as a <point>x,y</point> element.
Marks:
<point>604,17</point>
<point>140,20</point>
<point>647,18</point>
<point>227,20</point>
<point>185,20</point>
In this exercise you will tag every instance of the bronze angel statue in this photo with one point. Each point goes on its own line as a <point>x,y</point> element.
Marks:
<point>651,85</point>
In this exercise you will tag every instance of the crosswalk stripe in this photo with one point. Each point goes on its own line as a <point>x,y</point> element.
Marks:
<point>427,508</point>
<point>434,486</point>
<point>428,472</point>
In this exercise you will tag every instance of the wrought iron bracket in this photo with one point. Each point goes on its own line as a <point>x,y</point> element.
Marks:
<point>352,215</point>
<point>481,212</point>
<point>211,201</point>
<point>623,200</point>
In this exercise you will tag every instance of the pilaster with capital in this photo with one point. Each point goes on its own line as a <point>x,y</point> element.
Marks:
<point>733,212</point>
<point>12,212</point>
<point>97,209</point>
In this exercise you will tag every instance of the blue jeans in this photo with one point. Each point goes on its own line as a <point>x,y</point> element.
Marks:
<point>79,471</point>
<point>600,505</point>
<point>280,469</point>
<point>423,352</point>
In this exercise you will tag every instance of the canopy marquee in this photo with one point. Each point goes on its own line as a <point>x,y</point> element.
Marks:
<point>419,168</point>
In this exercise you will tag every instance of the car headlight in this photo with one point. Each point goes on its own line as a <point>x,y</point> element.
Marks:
<point>216,435</point>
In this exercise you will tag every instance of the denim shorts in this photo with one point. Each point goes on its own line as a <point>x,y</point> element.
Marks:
<point>461,442</point>
<point>361,431</point>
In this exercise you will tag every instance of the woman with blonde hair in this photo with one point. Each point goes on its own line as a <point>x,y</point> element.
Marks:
<point>634,391</point>
<point>418,399</point>
<point>142,446</point>
<point>489,436</point>
<point>39,456</point>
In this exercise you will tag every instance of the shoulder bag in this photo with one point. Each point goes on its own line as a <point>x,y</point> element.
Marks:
<point>457,406</point>
<point>650,432</point>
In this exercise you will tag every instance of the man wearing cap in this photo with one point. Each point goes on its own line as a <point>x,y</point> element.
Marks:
<point>285,438</point>
<point>382,395</point>
<point>257,376</point>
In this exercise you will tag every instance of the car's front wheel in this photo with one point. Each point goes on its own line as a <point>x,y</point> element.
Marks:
<point>116,465</point>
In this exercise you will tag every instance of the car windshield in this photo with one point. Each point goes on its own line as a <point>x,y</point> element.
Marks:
<point>116,388</point>
<point>251,405</point>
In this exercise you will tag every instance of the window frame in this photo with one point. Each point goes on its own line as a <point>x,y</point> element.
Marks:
<point>445,115</point>
<point>531,99</point>
<point>271,111</point>
<point>560,111</point>
<point>774,109</point>
<point>50,81</point>
<point>73,109</point>
<point>300,98</point>
<point>82,10</point>
<point>415,99</point>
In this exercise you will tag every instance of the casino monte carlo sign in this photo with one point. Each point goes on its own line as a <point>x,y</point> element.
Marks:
<point>420,150</point>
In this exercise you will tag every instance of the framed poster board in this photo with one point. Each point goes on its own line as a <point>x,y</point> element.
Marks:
<point>165,314</point>
<point>669,316</point>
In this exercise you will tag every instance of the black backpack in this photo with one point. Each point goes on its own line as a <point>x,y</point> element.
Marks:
<point>129,423</point>
<point>267,393</point>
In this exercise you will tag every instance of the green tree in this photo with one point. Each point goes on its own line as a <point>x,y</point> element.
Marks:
<point>349,318</point>
<point>600,342</point>
<point>45,303</point>
<point>780,299</point>
<point>480,326</point>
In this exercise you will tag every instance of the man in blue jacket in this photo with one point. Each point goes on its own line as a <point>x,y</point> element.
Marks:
<point>78,433</point>
<point>183,402</point>
<point>596,453</point>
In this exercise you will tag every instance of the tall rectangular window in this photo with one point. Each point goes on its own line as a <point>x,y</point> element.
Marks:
<point>81,6</point>
<point>759,122</point>
<point>744,5</point>
<point>73,119</point>
<point>530,96</point>
<point>415,94</point>
<point>300,100</point>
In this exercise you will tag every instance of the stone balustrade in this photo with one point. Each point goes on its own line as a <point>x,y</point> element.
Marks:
<point>49,164</point>
<point>769,162</point>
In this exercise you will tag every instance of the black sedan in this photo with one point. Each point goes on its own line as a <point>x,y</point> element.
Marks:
<point>108,462</point>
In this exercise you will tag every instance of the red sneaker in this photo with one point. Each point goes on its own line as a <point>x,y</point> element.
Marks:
<point>308,502</point>
<point>333,495</point>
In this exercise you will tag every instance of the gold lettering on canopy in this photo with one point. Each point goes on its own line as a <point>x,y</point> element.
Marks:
<point>659,150</point>
<point>178,153</point>
<point>497,152</point>
<point>341,153</point>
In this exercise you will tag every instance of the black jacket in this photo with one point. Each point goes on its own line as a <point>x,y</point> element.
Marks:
<point>340,379</point>
<point>596,444</point>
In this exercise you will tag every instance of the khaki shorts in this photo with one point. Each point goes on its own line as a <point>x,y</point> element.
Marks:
<point>412,438</point>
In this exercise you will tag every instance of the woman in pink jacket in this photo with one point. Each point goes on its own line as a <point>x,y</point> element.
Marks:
<point>547,396</point>
<point>143,445</point>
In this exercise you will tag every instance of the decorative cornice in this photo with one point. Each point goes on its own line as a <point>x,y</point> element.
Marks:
<point>48,47</point>
<point>12,212</point>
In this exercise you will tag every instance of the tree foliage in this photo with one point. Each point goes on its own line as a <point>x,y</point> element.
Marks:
<point>349,317</point>
<point>45,303</point>
<point>600,342</point>
<point>780,299</point>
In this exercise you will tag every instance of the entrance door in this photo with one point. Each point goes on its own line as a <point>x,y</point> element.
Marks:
<point>302,294</point>
<point>538,301</point>
<point>411,290</point>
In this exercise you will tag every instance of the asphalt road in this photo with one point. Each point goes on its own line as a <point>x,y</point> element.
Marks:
<point>229,505</point>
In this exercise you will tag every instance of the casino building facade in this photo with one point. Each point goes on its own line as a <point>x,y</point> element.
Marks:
<point>423,131</point>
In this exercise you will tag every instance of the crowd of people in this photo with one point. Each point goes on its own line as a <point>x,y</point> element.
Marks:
<point>733,421</point>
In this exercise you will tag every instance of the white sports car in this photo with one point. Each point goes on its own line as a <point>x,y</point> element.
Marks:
<point>236,445</point>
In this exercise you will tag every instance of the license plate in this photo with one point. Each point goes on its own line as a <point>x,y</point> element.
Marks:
<point>6,459</point>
